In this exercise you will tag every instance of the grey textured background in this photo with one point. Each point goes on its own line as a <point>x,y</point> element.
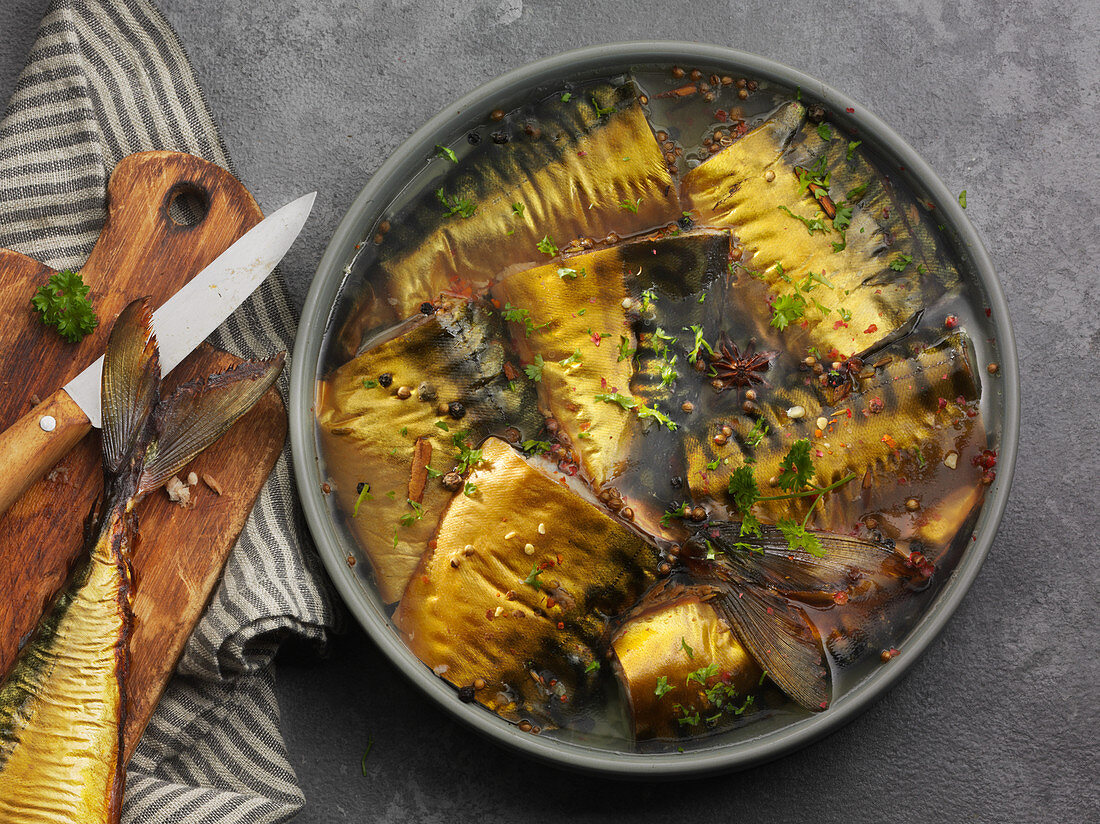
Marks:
<point>999,720</point>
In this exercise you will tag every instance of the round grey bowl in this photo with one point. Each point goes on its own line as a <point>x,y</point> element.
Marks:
<point>720,753</point>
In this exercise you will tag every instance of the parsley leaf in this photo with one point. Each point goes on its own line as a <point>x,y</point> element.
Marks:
<point>796,468</point>
<point>812,225</point>
<point>823,131</point>
<point>662,686</point>
<point>684,646</point>
<point>787,309</point>
<point>757,433</point>
<point>899,263</point>
<point>447,152</point>
<point>532,578</point>
<point>852,146</point>
<point>593,667</point>
<point>630,205</point>
<point>625,401</point>
<point>843,217</point>
<point>600,112</point>
<point>678,512</point>
<point>574,358</point>
<point>364,495</point>
<point>466,457</point>
<point>534,370</point>
<point>456,206</point>
<point>743,489</point>
<point>469,490</point>
<point>535,447</point>
<point>700,343</point>
<point>798,538</point>
<point>546,246</point>
<point>62,302</point>
<point>625,352</point>
<point>856,193</point>
<point>962,198</point>
<point>565,98</point>
<point>517,209</point>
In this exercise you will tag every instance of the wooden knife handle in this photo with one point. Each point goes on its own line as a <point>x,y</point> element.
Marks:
<point>33,444</point>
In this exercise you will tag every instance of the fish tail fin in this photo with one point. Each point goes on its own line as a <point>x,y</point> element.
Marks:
<point>199,412</point>
<point>131,385</point>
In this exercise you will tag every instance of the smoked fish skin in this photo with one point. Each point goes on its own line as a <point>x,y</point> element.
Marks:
<point>63,704</point>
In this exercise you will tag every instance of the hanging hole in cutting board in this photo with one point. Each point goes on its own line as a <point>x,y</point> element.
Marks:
<point>187,204</point>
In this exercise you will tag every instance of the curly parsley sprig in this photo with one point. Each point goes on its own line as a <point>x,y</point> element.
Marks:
<point>62,301</point>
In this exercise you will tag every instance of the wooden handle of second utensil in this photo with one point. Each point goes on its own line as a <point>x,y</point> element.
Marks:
<point>34,443</point>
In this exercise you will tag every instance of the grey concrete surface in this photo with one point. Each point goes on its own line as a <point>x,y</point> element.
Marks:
<point>999,720</point>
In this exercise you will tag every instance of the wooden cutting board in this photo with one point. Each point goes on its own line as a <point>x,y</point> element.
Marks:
<point>180,553</point>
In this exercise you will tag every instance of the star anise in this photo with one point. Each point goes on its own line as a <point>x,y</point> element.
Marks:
<point>732,367</point>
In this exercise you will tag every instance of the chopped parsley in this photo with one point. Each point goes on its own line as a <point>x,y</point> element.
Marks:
<point>517,209</point>
<point>843,217</point>
<point>369,384</point>
<point>684,646</point>
<point>856,193</point>
<point>845,314</point>
<point>514,315</point>
<point>574,358</point>
<point>443,425</point>
<point>700,343</point>
<point>640,409</point>
<point>409,518</point>
<point>469,490</point>
<point>593,667</point>
<point>565,98</point>
<point>534,370</point>
<point>625,401</point>
<point>668,371</point>
<point>757,433</point>
<point>823,131</point>
<point>456,206</point>
<point>679,512</point>
<point>852,146</point>
<point>662,686</point>
<point>466,457</point>
<point>535,447</point>
<point>702,675</point>
<point>444,151</point>
<point>962,198</point>
<point>899,263</point>
<point>625,352</point>
<point>547,247</point>
<point>600,111</point>
<point>532,578</point>
<point>630,205</point>
<point>815,224</point>
<point>565,272</point>
<point>364,495</point>
<point>62,302</point>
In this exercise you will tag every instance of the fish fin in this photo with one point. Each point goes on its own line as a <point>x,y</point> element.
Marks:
<point>781,639</point>
<point>131,382</point>
<point>772,562</point>
<point>200,412</point>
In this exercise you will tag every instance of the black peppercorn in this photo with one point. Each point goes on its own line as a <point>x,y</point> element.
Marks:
<point>456,410</point>
<point>426,308</point>
<point>499,138</point>
<point>473,138</point>
<point>685,222</point>
<point>466,694</point>
<point>385,379</point>
<point>676,482</point>
<point>359,487</point>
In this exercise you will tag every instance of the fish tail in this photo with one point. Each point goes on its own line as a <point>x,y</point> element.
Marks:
<point>146,438</point>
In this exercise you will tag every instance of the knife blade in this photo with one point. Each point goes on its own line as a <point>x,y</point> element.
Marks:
<point>35,442</point>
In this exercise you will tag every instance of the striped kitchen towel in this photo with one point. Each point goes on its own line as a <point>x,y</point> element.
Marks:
<point>104,79</point>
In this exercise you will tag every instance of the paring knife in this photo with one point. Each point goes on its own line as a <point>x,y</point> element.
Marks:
<point>38,440</point>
